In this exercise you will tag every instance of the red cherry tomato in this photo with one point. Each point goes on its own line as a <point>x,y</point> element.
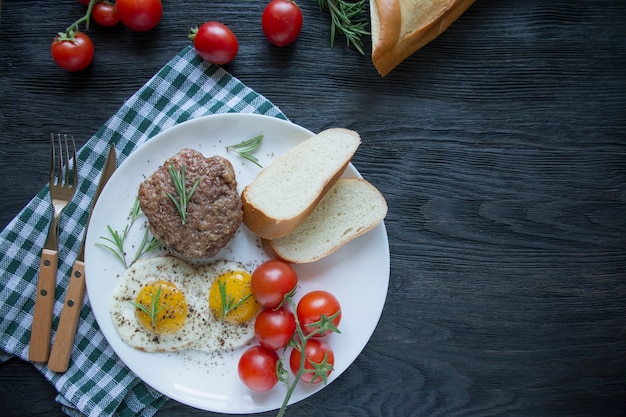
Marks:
<point>271,281</point>
<point>316,352</point>
<point>274,328</point>
<point>105,14</point>
<point>72,54</point>
<point>139,15</point>
<point>215,43</point>
<point>282,22</point>
<point>257,368</point>
<point>312,306</point>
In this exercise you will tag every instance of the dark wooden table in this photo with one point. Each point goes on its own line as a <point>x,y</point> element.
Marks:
<point>501,150</point>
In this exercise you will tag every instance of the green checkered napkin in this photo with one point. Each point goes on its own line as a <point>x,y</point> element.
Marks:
<point>97,382</point>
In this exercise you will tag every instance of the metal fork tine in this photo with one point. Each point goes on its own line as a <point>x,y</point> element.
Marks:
<point>52,158</point>
<point>67,161</point>
<point>75,183</point>
<point>59,170</point>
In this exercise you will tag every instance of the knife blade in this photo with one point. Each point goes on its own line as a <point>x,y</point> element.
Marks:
<point>66,331</point>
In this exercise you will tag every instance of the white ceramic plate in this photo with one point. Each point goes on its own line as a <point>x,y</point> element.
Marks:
<point>357,274</point>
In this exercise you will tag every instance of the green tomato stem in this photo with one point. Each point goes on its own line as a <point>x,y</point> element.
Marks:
<point>72,29</point>
<point>301,347</point>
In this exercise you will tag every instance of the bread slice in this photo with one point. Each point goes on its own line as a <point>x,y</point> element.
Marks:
<point>351,208</point>
<point>401,27</point>
<point>286,191</point>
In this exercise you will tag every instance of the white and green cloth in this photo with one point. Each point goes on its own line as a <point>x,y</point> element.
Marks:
<point>97,382</point>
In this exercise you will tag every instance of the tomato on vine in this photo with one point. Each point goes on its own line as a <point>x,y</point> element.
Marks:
<point>105,14</point>
<point>274,328</point>
<point>72,51</point>
<point>282,324</point>
<point>281,22</point>
<point>215,43</point>
<point>319,311</point>
<point>139,15</point>
<point>272,281</point>
<point>257,368</point>
<point>318,361</point>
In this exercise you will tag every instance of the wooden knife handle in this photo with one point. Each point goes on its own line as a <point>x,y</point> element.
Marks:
<point>44,303</point>
<point>66,331</point>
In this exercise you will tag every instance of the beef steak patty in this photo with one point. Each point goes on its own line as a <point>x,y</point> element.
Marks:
<point>214,211</point>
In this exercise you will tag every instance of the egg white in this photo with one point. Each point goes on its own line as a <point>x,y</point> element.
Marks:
<point>200,331</point>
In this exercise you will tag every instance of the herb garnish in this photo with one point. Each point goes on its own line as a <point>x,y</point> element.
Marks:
<point>348,17</point>
<point>246,148</point>
<point>154,309</point>
<point>180,184</point>
<point>229,303</point>
<point>117,239</point>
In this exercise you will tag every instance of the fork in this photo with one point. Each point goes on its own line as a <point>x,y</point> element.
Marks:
<point>63,185</point>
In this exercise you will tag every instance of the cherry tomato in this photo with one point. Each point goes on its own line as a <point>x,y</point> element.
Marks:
<point>139,15</point>
<point>257,368</point>
<point>72,54</point>
<point>105,14</point>
<point>316,353</point>
<point>215,43</point>
<point>312,306</point>
<point>282,22</point>
<point>271,281</point>
<point>85,2</point>
<point>274,328</point>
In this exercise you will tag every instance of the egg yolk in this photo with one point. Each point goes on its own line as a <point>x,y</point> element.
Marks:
<point>231,294</point>
<point>164,307</point>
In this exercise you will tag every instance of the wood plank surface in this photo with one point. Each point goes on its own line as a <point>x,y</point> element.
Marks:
<point>500,148</point>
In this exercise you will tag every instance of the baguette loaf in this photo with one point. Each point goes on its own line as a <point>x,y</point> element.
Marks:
<point>284,193</point>
<point>351,208</point>
<point>401,27</point>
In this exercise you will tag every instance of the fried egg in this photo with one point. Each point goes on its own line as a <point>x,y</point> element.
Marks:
<point>164,304</point>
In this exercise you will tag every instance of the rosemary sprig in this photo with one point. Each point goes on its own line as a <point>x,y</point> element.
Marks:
<point>117,243</point>
<point>180,184</point>
<point>146,245</point>
<point>348,18</point>
<point>228,302</point>
<point>117,239</point>
<point>154,309</point>
<point>135,212</point>
<point>246,148</point>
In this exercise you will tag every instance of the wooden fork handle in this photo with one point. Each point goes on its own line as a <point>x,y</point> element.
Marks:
<point>66,331</point>
<point>44,303</point>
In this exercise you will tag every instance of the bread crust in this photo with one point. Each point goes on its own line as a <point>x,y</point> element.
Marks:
<point>260,218</point>
<point>268,227</point>
<point>390,47</point>
<point>275,253</point>
<point>280,250</point>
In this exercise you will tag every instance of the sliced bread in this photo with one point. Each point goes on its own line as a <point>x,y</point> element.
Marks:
<point>351,208</point>
<point>401,27</point>
<point>284,193</point>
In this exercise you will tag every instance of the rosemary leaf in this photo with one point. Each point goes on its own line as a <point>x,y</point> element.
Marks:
<point>135,212</point>
<point>228,302</point>
<point>117,240</point>
<point>146,245</point>
<point>180,184</point>
<point>154,307</point>
<point>117,244</point>
<point>245,149</point>
<point>347,17</point>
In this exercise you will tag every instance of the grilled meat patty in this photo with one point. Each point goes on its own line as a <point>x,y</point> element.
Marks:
<point>214,211</point>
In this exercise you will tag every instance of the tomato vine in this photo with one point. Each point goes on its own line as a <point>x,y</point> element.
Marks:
<point>320,370</point>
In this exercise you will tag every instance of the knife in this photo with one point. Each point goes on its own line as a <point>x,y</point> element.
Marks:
<point>66,331</point>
